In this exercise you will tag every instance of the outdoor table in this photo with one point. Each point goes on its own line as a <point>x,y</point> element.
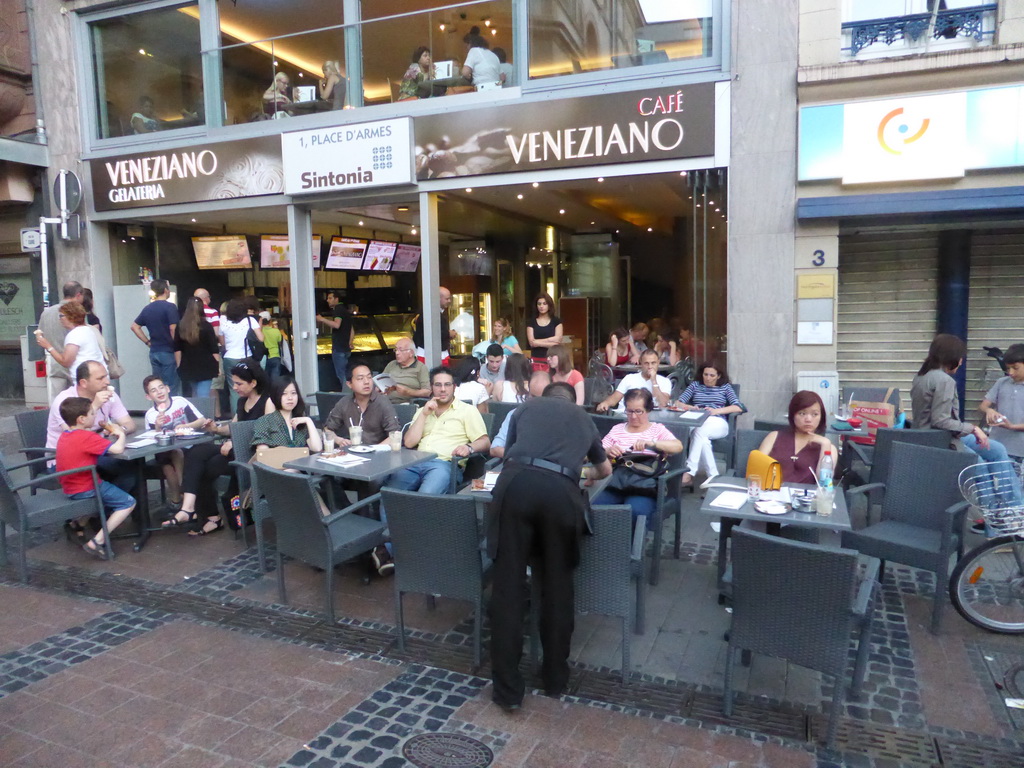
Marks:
<point>140,455</point>
<point>622,369</point>
<point>830,525</point>
<point>378,466</point>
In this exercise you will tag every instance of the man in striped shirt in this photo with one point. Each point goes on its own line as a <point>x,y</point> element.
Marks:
<point>212,315</point>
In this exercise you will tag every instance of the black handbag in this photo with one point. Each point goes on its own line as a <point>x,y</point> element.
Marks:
<point>257,349</point>
<point>638,473</point>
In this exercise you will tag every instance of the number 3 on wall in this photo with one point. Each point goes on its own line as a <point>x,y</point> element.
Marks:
<point>819,258</point>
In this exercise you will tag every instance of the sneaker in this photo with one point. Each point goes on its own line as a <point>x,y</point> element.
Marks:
<point>382,560</point>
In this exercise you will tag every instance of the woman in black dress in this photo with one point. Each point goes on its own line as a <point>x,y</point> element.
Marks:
<point>205,463</point>
<point>544,331</point>
<point>196,350</point>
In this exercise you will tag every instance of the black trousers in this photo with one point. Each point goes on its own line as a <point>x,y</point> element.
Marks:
<point>540,520</point>
<point>203,465</point>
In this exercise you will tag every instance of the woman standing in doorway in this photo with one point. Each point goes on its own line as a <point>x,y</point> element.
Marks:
<point>196,350</point>
<point>234,327</point>
<point>544,331</point>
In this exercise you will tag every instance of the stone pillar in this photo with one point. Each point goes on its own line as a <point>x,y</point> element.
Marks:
<point>762,194</point>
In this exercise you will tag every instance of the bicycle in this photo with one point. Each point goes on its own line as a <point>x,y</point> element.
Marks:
<point>987,585</point>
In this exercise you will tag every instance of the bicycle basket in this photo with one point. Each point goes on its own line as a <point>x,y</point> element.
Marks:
<point>993,488</point>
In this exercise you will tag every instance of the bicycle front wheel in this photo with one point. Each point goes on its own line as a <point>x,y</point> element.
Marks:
<point>987,585</point>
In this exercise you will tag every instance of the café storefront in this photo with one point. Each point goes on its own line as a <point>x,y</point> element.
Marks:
<point>587,198</point>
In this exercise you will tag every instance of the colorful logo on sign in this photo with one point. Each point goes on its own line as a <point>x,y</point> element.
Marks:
<point>902,128</point>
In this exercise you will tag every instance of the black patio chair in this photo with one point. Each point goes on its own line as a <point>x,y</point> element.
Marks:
<point>32,431</point>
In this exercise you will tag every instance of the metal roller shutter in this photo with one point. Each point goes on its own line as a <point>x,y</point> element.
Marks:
<point>886,313</point>
<point>995,312</point>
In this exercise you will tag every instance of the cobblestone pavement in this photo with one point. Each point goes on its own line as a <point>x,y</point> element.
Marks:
<point>188,659</point>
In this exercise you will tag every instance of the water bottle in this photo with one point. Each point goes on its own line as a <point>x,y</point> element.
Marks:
<point>825,472</point>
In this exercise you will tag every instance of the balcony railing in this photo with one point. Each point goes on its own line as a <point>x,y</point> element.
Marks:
<point>976,22</point>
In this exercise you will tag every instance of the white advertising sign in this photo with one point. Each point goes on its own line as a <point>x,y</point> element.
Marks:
<point>920,137</point>
<point>348,157</point>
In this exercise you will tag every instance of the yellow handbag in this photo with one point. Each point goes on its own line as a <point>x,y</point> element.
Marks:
<point>765,467</point>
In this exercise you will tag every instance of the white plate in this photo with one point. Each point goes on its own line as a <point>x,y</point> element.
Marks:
<point>774,510</point>
<point>361,448</point>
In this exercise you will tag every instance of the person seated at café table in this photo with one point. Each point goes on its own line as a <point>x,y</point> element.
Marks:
<point>169,412</point>
<point>145,120</point>
<point>332,87</point>
<point>276,98</point>
<point>538,382</point>
<point>448,427</point>
<point>421,70</point>
<point>365,406</point>
<point>467,387</point>
<point>515,387</point>
<point>205,463</point>
<point>561,364</point>
<point>287,426</point>
<point>638,435</point>
<point>508,72</point>
<point>501,332</point>
<point>800,447</point>
<point>410,376</point>
<point>493,371</point>
<point>714,394</point>
<point>620,348</point>
<point>481,66</point>
<point>646,378</point>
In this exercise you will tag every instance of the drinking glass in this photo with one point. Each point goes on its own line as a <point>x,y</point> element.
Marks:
<point>328,442</point>
<point>395,439</point>
<point>753,487</point>
<point>355,434</point>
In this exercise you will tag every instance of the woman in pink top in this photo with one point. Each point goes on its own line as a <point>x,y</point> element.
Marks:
<point>560,363</point>
<point>637,435</point>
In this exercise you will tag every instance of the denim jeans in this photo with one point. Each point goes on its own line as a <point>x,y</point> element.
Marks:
<point>340,360</point>
<point>164,366</point>
<point>996,451</point>
<point>229,363</point>
<point>642,506</point>
<point>274,368</point>
<point>197,388</point>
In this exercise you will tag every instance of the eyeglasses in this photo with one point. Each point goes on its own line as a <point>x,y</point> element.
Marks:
<point>443,384</point>
<point>636,411</point>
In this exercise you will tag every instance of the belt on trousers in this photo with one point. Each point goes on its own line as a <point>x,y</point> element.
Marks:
<point>548,465</point>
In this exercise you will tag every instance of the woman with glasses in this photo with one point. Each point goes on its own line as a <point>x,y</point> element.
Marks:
<point>638,435</point>
<point>205,463</point>
<point>561,365</point>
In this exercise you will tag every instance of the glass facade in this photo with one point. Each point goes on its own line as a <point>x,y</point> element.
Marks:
<point>148,72</point>
<point>278,60</point>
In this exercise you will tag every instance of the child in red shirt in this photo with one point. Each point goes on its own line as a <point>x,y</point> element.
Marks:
<point>79,447</point>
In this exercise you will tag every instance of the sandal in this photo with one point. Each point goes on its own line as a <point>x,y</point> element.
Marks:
<point>96,550</point>
<point>175,522</point>
<point>75,532</point>
<point>205,530</point>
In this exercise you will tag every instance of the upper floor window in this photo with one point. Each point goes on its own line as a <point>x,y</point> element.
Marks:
<point>148,71</point>
<point>876,28</point>
<point>573,36</point>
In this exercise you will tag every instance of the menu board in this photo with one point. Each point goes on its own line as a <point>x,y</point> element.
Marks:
<point>275,252</point>
<point>222,252</point>
<point>407,258</point>
<point>346,253</point>
<point>379,256</point>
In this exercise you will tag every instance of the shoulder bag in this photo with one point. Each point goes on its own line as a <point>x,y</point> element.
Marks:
<point>638,473</point>
<point>114,367</point>
<point>766,468</point>
<point>257,349</point>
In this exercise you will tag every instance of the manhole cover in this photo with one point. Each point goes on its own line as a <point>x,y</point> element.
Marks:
<point>1007,672</point>
<point>446,750</point>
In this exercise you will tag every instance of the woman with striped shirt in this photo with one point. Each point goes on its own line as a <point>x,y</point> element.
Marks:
<point>637,435</point>
<point>715,395</point>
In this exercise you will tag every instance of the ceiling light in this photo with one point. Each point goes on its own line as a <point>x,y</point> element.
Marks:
<point>520,196</point>
<point>300,74</point>
<point>650,229</point>
<point>193,221</point>
<point>360,223</point>
<point>494,31</point>
<point>414,230</point>
<point>441,27</point>
<point>275,63</point>
<point>536,184</point>
<point>711,202</point>
<point>592,223</point>
<point>698,205</point>
<point>600,179</point>
<point>487,22</point>
<point>403,208</point>
<point>561,210</point>
<point>682,173</point>
<point>142,51</point>
<point>469,189</point>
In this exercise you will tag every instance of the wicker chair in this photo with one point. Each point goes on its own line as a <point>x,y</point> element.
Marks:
<point>405,412</point>
<point>500,411</point>
<point>32,430</point>
<point>922,514</point>
<point>669,503</point>
<point>609,580</point>
<point>877,458</point>
<point>44,508</point>
<point>421,526</point>
<point>241,443</point>
<point>303,533</point>
<point>604,424</point>
<point>800,602</point>
<point>325,402</point>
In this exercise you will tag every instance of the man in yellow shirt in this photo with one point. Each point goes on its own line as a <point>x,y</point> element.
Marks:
<point>448,427</point>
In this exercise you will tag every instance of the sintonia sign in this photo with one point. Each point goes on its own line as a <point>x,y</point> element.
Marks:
<point>595,130</point>
<point>247,168</point>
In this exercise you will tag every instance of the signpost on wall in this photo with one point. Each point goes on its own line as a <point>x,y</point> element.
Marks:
<point>67,190</point>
